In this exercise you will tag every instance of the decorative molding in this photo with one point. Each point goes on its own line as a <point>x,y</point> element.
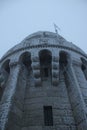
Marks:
<point>43,46</point>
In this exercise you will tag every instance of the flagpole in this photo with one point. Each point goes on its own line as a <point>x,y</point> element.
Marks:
<point>56,31</point>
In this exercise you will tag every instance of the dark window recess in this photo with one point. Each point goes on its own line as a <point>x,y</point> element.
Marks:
<point>45,64</point>
<point>83,67</point>
<point>45,72</point>
<point>48,116</point>
<point>1,93</point>
<point>63,59</point>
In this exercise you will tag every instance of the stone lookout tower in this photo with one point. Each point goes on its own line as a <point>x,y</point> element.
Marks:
<point>43,85</point>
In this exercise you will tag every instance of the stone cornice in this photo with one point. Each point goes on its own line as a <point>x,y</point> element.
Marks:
<point>43,46</point>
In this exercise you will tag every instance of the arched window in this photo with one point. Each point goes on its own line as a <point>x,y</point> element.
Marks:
<point>6,66</point>
<point>1,92</point>
<point>26,60</point>
<point>4,74</point>
<point>45,64</point>
<point>84,67</point>
<point>26,69</point>
<point>63,59</point>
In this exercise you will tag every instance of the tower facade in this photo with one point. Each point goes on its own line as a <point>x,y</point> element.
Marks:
<point>43,85</point>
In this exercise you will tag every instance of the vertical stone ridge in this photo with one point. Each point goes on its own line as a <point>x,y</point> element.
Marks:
<point>76,99</point>
<point>8,95</point>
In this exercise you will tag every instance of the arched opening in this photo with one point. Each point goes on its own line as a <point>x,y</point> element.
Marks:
<point>63,60</point>
<point>84,67</point>
<point>1,93</point>
<point>4,74</point>
<point>45,64</point>
<point>26,60</point>
<point>6,66</point>
<point>26,69</point>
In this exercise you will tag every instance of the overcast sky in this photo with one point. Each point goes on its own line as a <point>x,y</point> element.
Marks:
<point>19,18</point>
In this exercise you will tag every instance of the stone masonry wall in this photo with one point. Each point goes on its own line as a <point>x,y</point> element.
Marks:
<point>47,95</point>
<point>27,92</point>
<point>82,82</point>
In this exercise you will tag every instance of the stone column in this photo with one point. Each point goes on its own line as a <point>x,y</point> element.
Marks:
<point>36,69</point>
<point>76,99</point>
<point>8,95</point>
<point>81,76</point>
<point>55,71</point>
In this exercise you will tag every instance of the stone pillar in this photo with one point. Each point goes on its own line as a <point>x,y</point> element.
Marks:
<point>76,99</point>
<point>55,71</point>
<point>36,69</point>
<point>81,76</point>
<point>6,103</point>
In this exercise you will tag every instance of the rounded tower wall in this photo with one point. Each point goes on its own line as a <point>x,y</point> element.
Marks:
<point>45,87</point>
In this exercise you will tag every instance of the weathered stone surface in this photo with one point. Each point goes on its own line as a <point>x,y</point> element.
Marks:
<point>54,79</point>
